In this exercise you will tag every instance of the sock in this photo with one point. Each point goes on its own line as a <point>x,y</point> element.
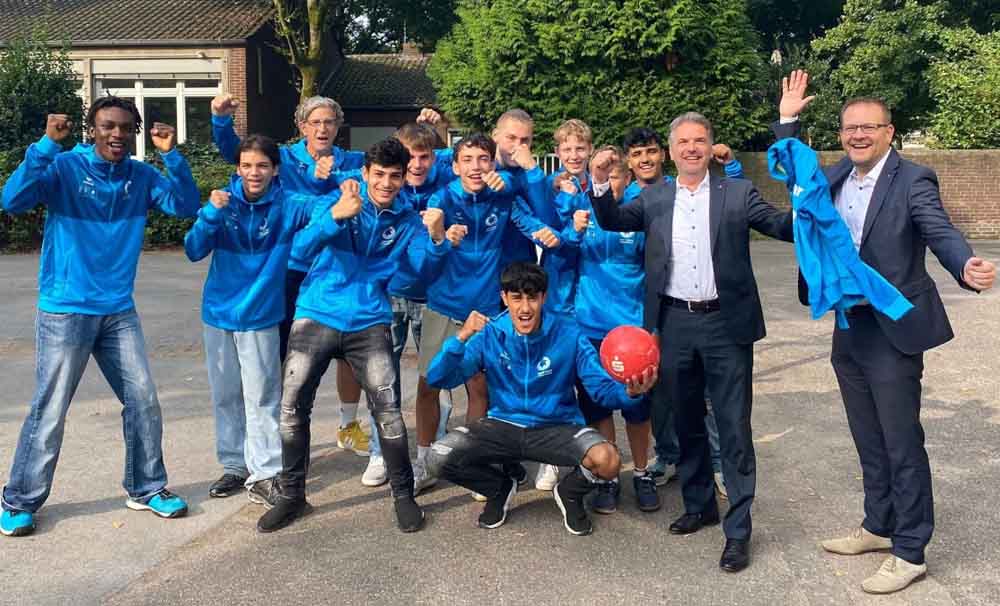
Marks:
<point>348,413</point>
<point>591,477</point>
<point>639,472</point>
<point>422,453</point>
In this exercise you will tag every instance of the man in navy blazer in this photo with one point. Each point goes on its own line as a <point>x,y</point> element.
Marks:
<point>893,209</point>
<point>701,298</point>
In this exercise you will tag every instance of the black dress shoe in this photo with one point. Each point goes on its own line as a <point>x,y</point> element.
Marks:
<point>692,522</point>
<point>735,556</point>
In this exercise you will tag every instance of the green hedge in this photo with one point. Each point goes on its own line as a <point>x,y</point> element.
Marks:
<point>23,233</point>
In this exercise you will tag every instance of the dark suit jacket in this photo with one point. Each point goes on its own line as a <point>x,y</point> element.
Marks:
<point>905,217</point>
<point>734,207</point>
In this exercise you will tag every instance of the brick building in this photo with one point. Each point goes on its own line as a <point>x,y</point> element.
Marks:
<point>379,93</point>
<point>171,57</point>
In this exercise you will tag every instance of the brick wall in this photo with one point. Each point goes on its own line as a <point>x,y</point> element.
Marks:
<point>238,87</point>
<point>969,180</point>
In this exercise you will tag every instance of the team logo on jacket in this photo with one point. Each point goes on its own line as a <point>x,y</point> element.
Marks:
<point>88,188</point>
<point>627,237</point>
<point>544,367</point>
<point>505,360</point>
<point>264,229</point>
<point>128,186</point>
<point>491,221</point>
<point>388,234</point>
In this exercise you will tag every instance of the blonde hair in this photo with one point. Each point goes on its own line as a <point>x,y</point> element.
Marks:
<point>573,128</point>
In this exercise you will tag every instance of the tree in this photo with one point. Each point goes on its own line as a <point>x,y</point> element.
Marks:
<point>965,85</point>
<point>792,22</point>
<point>302,26</point>
<point>35,80</point>
<point>616,65</point>
<point>383,26</point>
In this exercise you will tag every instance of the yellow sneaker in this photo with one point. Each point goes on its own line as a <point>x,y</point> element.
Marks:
<point>353,438</point>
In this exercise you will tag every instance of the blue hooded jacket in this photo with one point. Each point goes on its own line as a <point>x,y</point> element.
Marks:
<point>561,263</point>
<point>296,170</point>
<point>837,277</point>
<point>406,283</point>
<point>531,377</point>
<point>250,243</point>
<point>95,220</point>
<point>467,277</point>
<point>346,287</point>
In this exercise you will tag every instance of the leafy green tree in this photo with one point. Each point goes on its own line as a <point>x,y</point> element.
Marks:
<point>965,85</point>
<point>786,22</point>
<point>616,65</point>
<point>35,80</point>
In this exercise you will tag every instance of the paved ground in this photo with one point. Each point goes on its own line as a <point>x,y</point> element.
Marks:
<point>90,549</point>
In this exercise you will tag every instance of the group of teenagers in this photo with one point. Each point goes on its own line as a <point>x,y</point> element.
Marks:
<point>322,254</point>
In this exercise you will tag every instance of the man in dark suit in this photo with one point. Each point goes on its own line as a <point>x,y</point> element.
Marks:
<point>893,209</point>
<point>701,299</point>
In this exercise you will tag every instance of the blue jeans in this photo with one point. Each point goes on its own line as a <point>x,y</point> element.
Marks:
<point>406,316</point>
<point>63,346</point>
<point>244,375</point>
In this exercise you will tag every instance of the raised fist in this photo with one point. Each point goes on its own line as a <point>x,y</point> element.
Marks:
<point>429,116</point>
<point>324,167</point>
<point>557,183</point>
<point>581,219</point>
<point>473,324</point>
<point>600,165</point>
<point>224,105</point>
<point>434,222</point>
<point>722,154</point>
<point>567,186</point>
<point>164,136</point>
<point>58,126</point>
<point>219,199</point>
<point>456,233</point>
<point>494,181</point>
<point>349,204</point>
<point>546,237</point>
<point>523,157</point>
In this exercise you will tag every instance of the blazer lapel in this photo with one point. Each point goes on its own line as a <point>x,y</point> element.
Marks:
<point>879,193</point>
<point>716,204</point>
<point>667,233</point>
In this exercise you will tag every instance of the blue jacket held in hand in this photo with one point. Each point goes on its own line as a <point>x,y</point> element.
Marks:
<point>531,377</point>
<point>346,287</point>
<point>95,220</point>
<point>250,243</point>
<point>836,276</point>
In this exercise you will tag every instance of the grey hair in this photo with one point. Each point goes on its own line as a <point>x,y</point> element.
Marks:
<point>313,103</point>
<point>693,118</point>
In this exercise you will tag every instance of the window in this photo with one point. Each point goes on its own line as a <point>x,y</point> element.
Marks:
<point>182,101</point>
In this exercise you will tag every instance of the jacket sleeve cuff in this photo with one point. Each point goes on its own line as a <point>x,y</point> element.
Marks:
<point>330,226</point>
<point>535,175</point>
<point>453,346</point>
<point>48,147</point>
<point>210,214</point>
<point>222,120</point>
<point>171,157</point>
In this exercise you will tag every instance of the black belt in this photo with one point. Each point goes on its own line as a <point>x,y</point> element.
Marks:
<point>703,307</point>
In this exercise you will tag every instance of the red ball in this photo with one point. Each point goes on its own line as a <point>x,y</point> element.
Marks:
<point>627,351</point>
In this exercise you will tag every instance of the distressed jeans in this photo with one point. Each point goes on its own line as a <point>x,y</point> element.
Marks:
<point>63,346</point>
<point>244,376</point>
<point>311,348</point>
<point>407,315</point>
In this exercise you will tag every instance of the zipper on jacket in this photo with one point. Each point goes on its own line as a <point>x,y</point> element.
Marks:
<point>251,230</point>
<point>527,369</point>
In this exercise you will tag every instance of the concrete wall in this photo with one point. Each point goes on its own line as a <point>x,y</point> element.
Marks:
<point>969,181</point>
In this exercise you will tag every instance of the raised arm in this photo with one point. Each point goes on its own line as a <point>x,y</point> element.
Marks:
<point>176,193</point>
<point>928,215</point>
<point>202,238</point>
<point>609,214</point>
<point>35,180</point>
<point>223,133</point>
<point>461,356</point>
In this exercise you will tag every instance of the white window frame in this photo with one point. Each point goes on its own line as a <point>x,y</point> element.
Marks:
<point>180,92</point>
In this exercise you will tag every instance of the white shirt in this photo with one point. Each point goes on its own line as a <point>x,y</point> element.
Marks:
<point>692,276</point>
<point>855,196</point>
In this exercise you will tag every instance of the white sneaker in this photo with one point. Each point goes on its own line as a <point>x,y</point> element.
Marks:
<point>547,477</point>
<point>421,479</point>
<point>894,574</point>
<point>481,498</point>
<point>375,474</point>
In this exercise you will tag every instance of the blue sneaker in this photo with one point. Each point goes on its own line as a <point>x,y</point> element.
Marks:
<point>606,497</point>
<point>164,504</point>
<point>645,493</point>
<point>17,523</point>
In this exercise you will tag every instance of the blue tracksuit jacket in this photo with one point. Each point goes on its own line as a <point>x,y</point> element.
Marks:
<point>531,377</point>
<point>836,275</point>
<point>346,287</point>
<point>250,243</point>
<point>95,221</point>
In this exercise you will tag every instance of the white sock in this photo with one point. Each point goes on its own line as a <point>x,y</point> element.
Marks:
<point>639,472</point>
<point>348,413</point>
<point>587,474</point>
<point>422,453</point>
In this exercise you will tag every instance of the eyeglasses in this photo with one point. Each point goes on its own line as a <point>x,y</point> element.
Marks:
<point>850,129</point>
<point>319,123</point>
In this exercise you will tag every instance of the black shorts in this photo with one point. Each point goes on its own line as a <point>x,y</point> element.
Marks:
<point>594,412</point>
